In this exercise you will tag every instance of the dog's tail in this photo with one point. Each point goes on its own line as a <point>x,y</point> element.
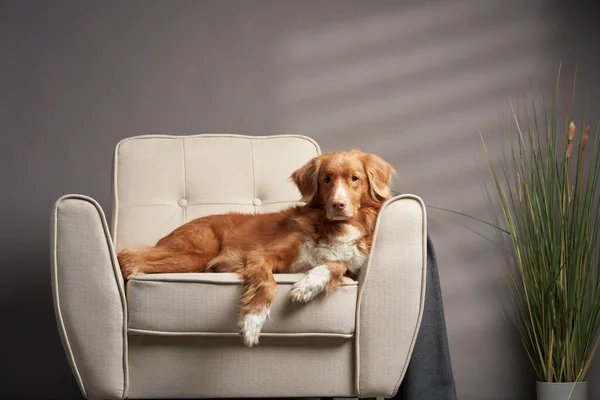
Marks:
<point>157,259</point>
<point>130,261</point>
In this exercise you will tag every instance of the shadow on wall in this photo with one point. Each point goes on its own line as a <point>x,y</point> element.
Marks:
<point>409,71</point>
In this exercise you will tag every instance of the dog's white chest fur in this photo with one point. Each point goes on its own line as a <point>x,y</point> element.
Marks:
<point>343,248</point>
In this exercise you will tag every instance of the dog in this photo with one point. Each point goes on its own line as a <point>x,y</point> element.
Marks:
<point>328,237</point>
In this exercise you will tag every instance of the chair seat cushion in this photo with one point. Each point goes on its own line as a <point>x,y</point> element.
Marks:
<point>208,304</point>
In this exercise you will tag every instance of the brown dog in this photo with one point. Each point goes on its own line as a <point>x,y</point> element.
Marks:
<point>328,237</point>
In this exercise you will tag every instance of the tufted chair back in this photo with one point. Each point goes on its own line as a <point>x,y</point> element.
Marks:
<point>161,182</point>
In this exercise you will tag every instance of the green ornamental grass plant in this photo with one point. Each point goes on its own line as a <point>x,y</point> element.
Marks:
<point>547,189</point>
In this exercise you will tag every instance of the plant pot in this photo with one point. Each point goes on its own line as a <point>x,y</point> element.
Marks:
<point>561,391</point>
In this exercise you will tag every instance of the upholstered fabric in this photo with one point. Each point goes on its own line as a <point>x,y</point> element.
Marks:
<point>89,300</point>
<point>208,304</point>
<point>210,367</point>
<point>391,295</point>
<point>161,182</point>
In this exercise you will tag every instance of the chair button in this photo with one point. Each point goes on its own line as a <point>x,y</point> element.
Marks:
<point>182,202</point>
<point>257,202</point>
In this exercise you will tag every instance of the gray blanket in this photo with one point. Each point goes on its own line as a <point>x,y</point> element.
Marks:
<point>429,374</point>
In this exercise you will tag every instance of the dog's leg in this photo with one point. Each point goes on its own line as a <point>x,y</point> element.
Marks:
<point>325,277</point>
<point>260,290</point>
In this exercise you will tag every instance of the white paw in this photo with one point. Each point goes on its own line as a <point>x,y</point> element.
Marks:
<point>251,325</point>
<point>311,285</point>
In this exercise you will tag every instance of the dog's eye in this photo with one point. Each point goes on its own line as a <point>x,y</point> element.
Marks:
<point>327,179</point>
<point>354,178</point>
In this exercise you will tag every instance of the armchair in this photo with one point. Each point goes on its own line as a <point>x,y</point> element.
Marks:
<point>175,335</point>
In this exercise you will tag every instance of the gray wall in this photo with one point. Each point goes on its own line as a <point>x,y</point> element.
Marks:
<point>409,80</point>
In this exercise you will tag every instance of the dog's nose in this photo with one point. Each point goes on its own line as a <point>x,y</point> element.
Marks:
<point>339,205</point>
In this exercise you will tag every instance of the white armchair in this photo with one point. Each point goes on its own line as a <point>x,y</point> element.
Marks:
<point>175,335</point>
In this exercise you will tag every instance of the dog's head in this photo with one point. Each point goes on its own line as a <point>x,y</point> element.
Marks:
<point>343,182</point>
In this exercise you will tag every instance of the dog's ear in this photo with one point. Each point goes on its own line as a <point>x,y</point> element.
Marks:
<point>379,175</point>
<point>306,179</point>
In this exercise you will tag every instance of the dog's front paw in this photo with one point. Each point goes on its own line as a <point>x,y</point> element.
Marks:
<point>308,288</point>
<point>250,326</point>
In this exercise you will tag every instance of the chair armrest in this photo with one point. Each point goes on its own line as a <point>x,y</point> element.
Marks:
<point>391,297</point>
<point>89,297</point>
